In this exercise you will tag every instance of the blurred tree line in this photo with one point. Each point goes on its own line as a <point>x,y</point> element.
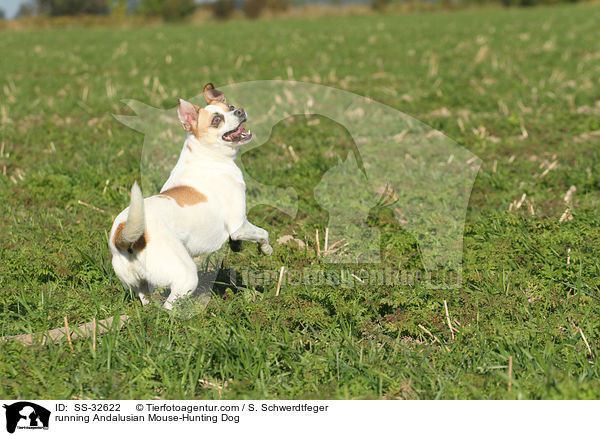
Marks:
<point>172,10</point>
<point>169,10</point>
<point>166,9</point>
<point>382,5</point>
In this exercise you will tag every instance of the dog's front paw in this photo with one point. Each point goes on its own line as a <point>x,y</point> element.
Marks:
<point>266,249</point>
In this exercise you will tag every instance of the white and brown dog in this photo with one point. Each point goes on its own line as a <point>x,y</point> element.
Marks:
<point>201,206</point>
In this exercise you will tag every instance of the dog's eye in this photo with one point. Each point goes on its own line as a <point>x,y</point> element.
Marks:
<point>231,107</point>
<point>216,120</point>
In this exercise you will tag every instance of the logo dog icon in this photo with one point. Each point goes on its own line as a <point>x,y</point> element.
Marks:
<point>26,415</point>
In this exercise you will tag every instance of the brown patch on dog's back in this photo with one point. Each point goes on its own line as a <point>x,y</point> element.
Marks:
<point>138,245</point>
<point>185,195</point>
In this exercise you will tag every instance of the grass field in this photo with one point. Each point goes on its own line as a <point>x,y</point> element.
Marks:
<point>518,88</point>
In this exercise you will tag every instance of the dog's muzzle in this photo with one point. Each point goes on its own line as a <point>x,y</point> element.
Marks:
<point>239,134</point>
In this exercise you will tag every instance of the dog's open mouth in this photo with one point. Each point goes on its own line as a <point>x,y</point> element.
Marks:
<point>237,134</point>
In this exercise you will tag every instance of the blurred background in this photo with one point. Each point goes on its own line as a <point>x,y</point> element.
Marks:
<point>131,11</point>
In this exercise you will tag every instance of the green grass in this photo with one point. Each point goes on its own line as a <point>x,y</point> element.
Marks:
<point>518,88</point>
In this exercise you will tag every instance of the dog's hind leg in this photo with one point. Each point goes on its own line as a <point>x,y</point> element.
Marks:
<point>168,264</point>
<point>183,286</point>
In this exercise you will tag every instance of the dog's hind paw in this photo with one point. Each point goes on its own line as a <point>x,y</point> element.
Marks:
<point>266,249</point>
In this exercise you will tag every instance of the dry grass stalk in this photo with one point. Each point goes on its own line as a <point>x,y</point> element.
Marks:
<point>566,216</point>
<point>318,244</point>
<point>509,372</point>
<point>206,384</point>
<point>293,153</point>
<point>68,333</point>
<point>516,205</point>
<point>332,250</point>
<point>56,335</point>
<point>448,319</point>
<point>520,202</point>
<point>524,133</point>
<point>83,203</point>
<point>586,342</point>
<point>94,334</point>
<point>279,281</point>
<point>357,278</point>
<point>326,239</point>
<point>481,54</point>
<point>550,168</point>
<point>531,208</point>
<point>569,195</point>
<point>435,339</point>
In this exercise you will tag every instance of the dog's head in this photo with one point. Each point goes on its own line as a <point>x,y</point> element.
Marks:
<point>218,123</point>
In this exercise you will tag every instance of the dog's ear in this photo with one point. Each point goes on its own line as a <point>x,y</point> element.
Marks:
<point>211,94</point>
<point>188,114</point>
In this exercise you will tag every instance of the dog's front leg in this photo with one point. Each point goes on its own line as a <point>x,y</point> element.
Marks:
<point>252,233</point>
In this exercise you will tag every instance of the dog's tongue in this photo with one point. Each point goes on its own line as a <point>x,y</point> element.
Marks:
<point>238,132</point>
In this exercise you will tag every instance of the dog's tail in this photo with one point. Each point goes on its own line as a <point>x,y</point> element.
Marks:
<point>132,234</point>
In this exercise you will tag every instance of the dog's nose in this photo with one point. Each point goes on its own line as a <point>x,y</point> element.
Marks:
<point>240,113</point>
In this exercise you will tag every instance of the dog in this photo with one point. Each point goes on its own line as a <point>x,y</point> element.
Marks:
<point>199,208</point>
